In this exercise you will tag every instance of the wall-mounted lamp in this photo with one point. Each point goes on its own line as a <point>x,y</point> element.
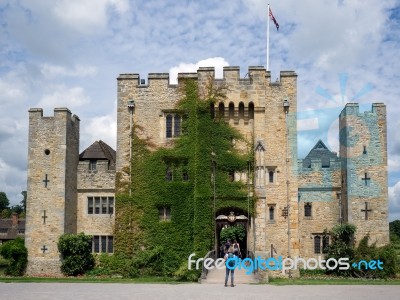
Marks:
<point>286,104</point>
<point>131,104</point>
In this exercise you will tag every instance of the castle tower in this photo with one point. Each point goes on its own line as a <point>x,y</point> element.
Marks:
<point>52,182</point>
<point>363,150</point>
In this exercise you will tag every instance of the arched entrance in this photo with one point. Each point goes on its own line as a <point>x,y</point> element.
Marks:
<point>227,218</point>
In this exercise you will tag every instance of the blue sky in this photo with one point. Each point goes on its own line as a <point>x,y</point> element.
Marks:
<point>69,53</point>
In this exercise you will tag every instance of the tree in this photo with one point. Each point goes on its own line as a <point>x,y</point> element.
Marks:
<point>4,202</point>
<point>394,227</point>
<point>342,245</point>
<point>17,209</point>
<point>232,233</point>
<point>23,201</point>
<point>76,253</point>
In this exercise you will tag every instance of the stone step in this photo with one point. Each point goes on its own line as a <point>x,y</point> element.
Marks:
<point>217,276</point>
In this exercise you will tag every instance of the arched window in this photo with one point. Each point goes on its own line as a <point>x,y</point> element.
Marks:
<point>271,176</point>
<point>212,110</point>
<point>231,110</point>
<point>251,111</point>
<point>221,110</point>
<point>241,110</point>
<point>168,174</point>
<point>325,244</point>
<point>271,213</point>
<point>307,209</point>
<point>168,126</point>
<point>317,244</point>
<point>177,125</point>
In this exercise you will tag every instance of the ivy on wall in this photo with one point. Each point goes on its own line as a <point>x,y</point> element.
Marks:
<point>180,179</point>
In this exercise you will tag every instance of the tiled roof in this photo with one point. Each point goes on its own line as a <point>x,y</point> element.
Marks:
<point>99,150</point>
<point>8,231</point>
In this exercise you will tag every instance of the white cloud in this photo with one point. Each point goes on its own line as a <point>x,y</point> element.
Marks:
<point>87,15</point>
<point>12,181</point>
<point>51,70</point>
<point>394,201</point>
<point>99,128</point>
<point>64,97</point>
<point>217,62</point>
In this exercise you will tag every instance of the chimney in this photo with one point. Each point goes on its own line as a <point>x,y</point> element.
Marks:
<point>14,219</point>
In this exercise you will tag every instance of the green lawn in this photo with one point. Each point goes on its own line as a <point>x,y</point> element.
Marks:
<point>92,280</point>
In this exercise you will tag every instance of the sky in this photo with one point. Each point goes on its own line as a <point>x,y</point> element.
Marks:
<point>68,53</point>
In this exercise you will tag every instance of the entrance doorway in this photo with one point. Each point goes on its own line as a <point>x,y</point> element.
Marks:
<point>231,224</point>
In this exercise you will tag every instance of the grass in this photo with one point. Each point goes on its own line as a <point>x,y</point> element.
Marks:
<point>92,280</point>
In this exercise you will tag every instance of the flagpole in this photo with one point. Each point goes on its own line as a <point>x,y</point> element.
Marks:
<point>268,39</point>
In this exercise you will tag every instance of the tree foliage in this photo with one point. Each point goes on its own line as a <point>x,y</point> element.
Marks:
<point>76,253</point>
<point>343,246</point>
<point>4,202</point>
<point>394,228</point>
<point>237,232</point>
<point>16,252</point>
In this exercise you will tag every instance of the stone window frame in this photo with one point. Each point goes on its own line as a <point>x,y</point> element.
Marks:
<point>105,205</point>
<point>272,209</point>
<point>103,244</point>
<point>321,243</point>
<point>164,213</point>
<point>308,207</point>
<point>173,129</point>
<point>268,178</point>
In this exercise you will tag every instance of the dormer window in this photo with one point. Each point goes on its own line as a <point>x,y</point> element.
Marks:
<point>93,165</point>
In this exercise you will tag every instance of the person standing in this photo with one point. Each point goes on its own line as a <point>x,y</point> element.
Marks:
<point>236,249</point>
<point>230,263</point>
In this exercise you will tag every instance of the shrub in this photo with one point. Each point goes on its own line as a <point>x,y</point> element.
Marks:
<point>342,246</point>
<point>385,254</point>
<point>76,253</point>
<point>16,252</point>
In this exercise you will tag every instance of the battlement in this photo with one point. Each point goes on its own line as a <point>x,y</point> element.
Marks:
<point>255,75</point>
<point>59,113</point>
<point>353,109</point>
<point>316,165</point>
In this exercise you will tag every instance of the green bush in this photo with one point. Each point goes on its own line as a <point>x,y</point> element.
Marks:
<point>76,253</point>
<point>16,252</point>
<point>342,246</point>
<point>385,254</point>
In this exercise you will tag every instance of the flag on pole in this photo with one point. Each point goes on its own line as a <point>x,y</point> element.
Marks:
<point>273,19</point>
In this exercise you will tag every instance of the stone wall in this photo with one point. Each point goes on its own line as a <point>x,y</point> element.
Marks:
<point>270,127</point>
<point>363,150</point>
<point>321,187</point>
<point>51,205</point>
<point>97,183</point>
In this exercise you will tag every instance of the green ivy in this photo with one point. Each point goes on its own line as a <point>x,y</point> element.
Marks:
<point>162,247</point>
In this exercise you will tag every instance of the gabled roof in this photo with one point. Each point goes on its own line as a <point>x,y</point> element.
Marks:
<point>98,150</point>
<point>319,152</point>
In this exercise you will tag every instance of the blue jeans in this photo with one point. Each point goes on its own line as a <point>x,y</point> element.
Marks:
<point>227,275</point>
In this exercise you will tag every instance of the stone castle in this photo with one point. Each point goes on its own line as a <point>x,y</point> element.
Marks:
<point>295,199</point>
